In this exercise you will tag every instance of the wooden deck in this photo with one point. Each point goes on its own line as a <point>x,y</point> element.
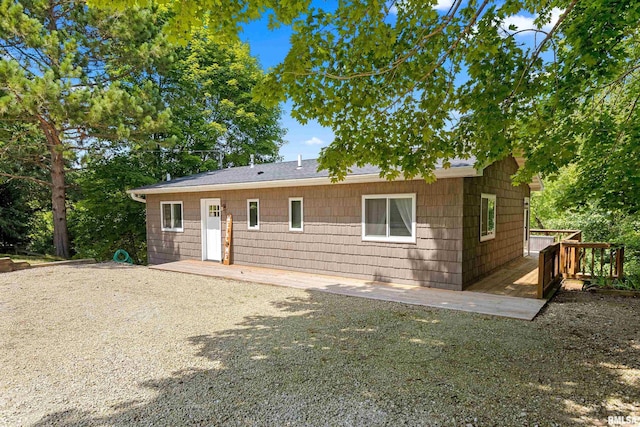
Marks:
<point>475,302</point>
<point>516,279</point>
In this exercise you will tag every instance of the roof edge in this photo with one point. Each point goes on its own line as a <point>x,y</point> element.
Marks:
<point>456,172</point>
<point>536,181</point>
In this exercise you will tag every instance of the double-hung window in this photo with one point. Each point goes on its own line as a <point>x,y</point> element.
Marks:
<point>389,218</point>
<point>487,217</point>
<point>296,221</point>
<point>253,214</point>
<point>171,216</point>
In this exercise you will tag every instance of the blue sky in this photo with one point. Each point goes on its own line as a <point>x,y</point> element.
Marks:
<point>271,47</point>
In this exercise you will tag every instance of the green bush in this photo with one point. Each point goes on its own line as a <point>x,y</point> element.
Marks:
<point>41,235</point>
<point>555,207</point>
<point>106,218</point>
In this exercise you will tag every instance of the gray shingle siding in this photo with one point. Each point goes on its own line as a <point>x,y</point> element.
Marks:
<point>331,242</point>
<point>447,253</point>
<point>482,258</point>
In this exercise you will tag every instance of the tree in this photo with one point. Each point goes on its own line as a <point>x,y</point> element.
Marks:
<point>13,217</point>
<point>66,80</point>
<point>106,218</point>
<point>22,193</point>
<point>208,89</point>
<point>564,205</point>
<point>215,117</point>
<point>609,151</point>
<point>404,85</point>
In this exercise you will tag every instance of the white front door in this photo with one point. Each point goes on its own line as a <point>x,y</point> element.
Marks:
<point>211,225</point>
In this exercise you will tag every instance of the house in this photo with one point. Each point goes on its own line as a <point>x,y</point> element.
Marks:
<point>445,234</point>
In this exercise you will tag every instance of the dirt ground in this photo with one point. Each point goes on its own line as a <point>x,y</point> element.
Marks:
<point>117,345</point>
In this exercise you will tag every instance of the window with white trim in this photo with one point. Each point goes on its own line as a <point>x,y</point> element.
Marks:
<point>253,214</point>
<point>171,216</point>
<point>389,218</point>
<point>296,221</point>
<point>487,217</point>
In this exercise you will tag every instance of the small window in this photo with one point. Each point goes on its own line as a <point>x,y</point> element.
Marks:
<point>389,218</point>
<point>487,217</point>
<point>295,214</point>
<point>171,216</point>
<point>253,214</point>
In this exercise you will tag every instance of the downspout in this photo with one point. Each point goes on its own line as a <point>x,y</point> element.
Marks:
<point>137,198</point>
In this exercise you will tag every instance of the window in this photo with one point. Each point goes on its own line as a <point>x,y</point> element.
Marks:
<point>295,214</point>
<point>389,218</point>
<point>253,214</point>
<point>487,217</point>
<point>171,216</point>
<point>214,211</point>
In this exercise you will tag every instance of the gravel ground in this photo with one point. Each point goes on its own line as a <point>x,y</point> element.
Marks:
<point>119,345</point>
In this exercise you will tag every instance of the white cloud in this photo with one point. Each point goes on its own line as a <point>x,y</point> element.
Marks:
<point>555,15</point>
<point>314,141</point>
<point>521,22</point>
<point>442,5</point>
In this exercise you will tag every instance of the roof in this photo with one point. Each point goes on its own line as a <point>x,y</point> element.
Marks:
<point>286,174</point>
<point>536,183</point>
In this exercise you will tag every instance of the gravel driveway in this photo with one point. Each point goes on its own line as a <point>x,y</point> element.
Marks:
<point>120,345</point>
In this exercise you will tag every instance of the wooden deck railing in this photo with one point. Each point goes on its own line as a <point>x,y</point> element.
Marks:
<point>558,234</point>
<point>586,260</point>
<point>571,258</point>
<point>540,239</point>
<point>549,271</point>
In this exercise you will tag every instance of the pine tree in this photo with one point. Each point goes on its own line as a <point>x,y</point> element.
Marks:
<point>67,80</point>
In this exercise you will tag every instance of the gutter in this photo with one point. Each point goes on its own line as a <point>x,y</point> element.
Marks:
<point>136,197</point>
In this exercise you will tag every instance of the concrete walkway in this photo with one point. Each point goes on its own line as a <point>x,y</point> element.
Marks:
<point>474,302</point>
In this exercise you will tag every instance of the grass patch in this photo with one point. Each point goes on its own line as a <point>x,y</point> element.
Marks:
<point>32,259</point>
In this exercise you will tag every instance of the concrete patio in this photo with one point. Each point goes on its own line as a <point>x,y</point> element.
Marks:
<point>474,302</point>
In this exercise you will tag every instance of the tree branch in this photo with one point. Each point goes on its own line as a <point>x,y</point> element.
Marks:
<point>28,178</point>
<point>395,64</point>
<point>443,58</point>
<point>538,50</point>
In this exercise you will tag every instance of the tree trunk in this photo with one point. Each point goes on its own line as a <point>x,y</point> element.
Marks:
<point>58,204</point>
<point>58,191</point>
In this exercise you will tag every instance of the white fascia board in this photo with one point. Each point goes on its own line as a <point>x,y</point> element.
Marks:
<point>536,184</point>
<point>458,172</point>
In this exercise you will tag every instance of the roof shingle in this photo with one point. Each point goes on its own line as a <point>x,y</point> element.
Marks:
<point>267,172</point>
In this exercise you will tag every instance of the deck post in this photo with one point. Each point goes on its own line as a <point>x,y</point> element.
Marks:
<point>541,274</point>
<point>620,262</point>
